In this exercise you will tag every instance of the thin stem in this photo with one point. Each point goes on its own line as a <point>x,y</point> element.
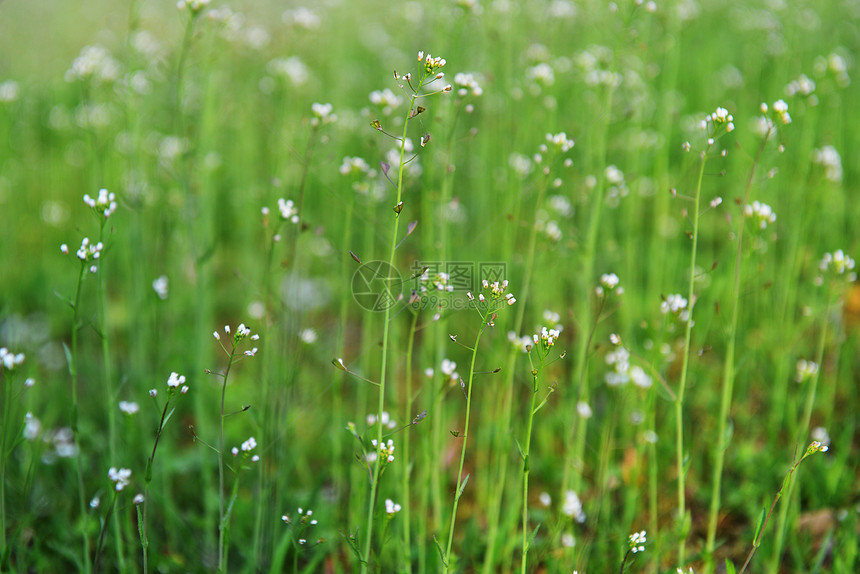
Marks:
<point>460,483</point>
<point>73,369</point>
<point>385,332</point>
<point>527,468</point>
<point>729,368</point>
<point>104,531</point>
<point>682,386</point>
<point>7,402</point>
<point>222,555</point>
<point>109,394</point>
<point>407,472</point>
<point>584,318</point>
<point>802,433</point>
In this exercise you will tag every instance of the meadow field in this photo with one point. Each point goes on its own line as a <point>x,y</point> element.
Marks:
<point>475,286</point>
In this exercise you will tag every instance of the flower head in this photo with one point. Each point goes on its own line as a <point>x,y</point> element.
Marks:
<point>10,360</point>
<point>391,508</point>
<point>322,114</point>
<point>636,542</point>
<point>104,205</point>
<point>760,213</point>
<point>121,477</point>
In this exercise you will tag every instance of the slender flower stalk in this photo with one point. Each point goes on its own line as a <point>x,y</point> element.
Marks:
<point>428,75</point>
<point>88,254</point>
<point>175,387</point>
<point>561,144</point>
<point>813,448</point>
<point>543,342</point>
<point>718,122</point>
<point>721,443</point>
<point>838,269</point>
<point>234,355</point>
<point>486,306</point>
<point>574,456</point>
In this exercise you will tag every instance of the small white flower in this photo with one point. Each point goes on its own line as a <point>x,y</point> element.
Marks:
<point>129,408</point>
<point>572,507</point>
<point>121,477</point>
<point>159,285</point>
<point>391,508</point>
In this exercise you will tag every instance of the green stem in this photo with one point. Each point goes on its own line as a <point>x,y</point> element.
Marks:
<point>407,461</point>
<point>498,485</point>
<point>222,518</point>
<point>527,469</point>
<point>385,331</point>
<point>73,369</point>
<point>584,317</point>
<point>460,484</point>
<point>801,436</point>
<point>7,402</point>
<point>682,386</point>
<point>109,394</point>
<point>721,444</point>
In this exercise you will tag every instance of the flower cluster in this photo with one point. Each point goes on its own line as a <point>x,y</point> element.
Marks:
<point>760,213</point>
<point>449,369</point>
<point>805,370</point>
<point>104,205</point>
<point>242,333</point>
<point>391,507</point>
<point>572,507</point>
<point>385,99</point>
<point>304,517</point>
<point>88,251</point>
<point>160,286</point>
<point>675,304</point>
<point>717,121</point>
<point>9,91</point>
<point>354,166</point>
<point>814,447</point>
<point>10,360</point>
<point>829,158</point>
<point>609,283</point>
<point>129,408</point>
<point>386,450</point>
<point>246,449</point>
<point>94,62</point>
<point>194,6</point>
<point>385,420</point>
<point>837,261</point>
<point>560,141</point>
<point>467,84</point>
<point>288,210</point>
<point>121,477</point>
<point>431,64</point>
<point>302,524</point>
<point>624,372</point>
<point>546,339</point>
<point>175,383</point>
<point>837,266</point>
<point>803,86</point>
<point>322,114</point>
<point>636,542</point>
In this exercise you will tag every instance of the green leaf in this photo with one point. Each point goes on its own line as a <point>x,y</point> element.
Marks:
<point>441,551</point>
<point>69,361</point>
<point>462,487</point>
<point>730,568</point>
<point>759,527</point>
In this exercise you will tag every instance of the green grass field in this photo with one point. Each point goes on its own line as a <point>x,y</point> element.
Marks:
<point>267,346</point>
